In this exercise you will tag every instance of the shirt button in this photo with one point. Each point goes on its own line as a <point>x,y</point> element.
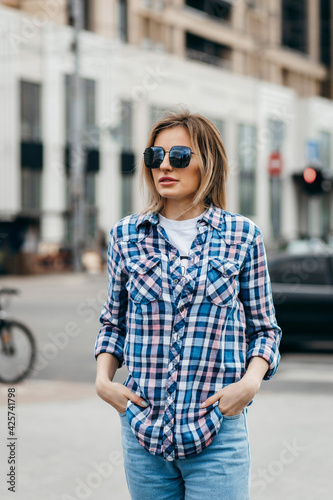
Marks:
<point>173,258</point>
<point>176,281</point>
<point>181,308</point>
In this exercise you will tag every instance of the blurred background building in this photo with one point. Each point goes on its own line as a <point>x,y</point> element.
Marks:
<point>262,70</point>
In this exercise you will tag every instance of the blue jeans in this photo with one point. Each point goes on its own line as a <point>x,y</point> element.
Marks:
<point>220,472</point>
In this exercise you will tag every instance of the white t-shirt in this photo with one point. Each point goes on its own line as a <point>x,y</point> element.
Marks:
<point>181,234</point>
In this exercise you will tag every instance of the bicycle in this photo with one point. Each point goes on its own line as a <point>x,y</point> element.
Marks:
<point>17,345</point>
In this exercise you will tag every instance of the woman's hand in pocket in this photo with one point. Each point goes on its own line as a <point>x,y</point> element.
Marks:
<point>233,398</point>
<point>117,395</point>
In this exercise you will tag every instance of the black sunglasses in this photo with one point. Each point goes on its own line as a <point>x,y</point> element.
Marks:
<point>179,156</point>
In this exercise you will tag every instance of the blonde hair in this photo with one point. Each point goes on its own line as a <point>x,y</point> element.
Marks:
<point>207,144</point>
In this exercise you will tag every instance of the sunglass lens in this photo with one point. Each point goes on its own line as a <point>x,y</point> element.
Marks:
<point>180,157</point>
<point>153,157</point>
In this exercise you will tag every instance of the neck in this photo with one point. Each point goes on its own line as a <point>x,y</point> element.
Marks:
<point>179,211</point>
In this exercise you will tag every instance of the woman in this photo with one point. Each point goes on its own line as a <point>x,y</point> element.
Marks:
<point>189,310</point>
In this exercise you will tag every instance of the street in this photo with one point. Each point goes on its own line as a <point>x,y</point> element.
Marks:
<point>68,440</point>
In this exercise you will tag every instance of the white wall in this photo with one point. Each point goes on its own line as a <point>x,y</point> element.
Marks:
<point>10,188</point>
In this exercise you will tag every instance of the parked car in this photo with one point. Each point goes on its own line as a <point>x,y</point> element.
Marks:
<point>307,246</point>
<point>302,287</point>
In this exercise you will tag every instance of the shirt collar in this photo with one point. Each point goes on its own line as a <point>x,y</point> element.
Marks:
<point>213,216</point>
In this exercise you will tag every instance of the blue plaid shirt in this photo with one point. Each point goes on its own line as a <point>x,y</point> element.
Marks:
<point>183,338</point>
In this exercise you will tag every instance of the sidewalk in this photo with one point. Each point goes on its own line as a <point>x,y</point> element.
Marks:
<point>69,445</point>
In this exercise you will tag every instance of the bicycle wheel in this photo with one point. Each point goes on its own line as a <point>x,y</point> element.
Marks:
<point>17,352</point>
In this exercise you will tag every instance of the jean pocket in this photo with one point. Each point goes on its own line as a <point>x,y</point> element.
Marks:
<point>145,282</point>
<point>221,284</point>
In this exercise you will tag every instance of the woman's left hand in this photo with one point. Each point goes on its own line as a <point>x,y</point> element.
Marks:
<point>234,397</point>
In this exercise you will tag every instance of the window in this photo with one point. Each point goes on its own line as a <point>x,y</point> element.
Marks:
<point>125,131</point>
<point>201,49</point>
<point>218,124</point>
<point>85,13</point>
<point>30,111</point>
<point>276,135</point>
<point>325,141</point>
<point>89,92</point>
<point>294,25</point>
<point>325,32</point>
<point>127,158</point>
<point>309,270</point>
<point>90,188</point>
<point>216,8</point>
<point>30,189</point>
<point>31,146</point>
<point>123,32</point>
<point>247,161</point>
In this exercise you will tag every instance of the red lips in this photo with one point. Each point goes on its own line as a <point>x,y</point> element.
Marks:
<point>166,179</point>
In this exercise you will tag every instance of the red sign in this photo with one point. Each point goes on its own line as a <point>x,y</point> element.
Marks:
<point>275,164</point>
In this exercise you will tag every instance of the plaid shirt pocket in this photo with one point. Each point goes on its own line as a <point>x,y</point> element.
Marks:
<point>221,283</point>
<point>145,283</point>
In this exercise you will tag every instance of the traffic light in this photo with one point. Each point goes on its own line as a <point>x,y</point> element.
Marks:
<point>314,182</point>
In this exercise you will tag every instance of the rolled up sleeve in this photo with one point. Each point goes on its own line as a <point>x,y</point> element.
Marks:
<point>111,336</point>
<point>262,332</point>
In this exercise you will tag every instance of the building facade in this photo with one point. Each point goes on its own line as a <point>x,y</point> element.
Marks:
<point>265,85</point>
<point>287,42</point>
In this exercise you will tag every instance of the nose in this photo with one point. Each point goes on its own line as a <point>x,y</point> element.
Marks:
<point>165,165</point>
